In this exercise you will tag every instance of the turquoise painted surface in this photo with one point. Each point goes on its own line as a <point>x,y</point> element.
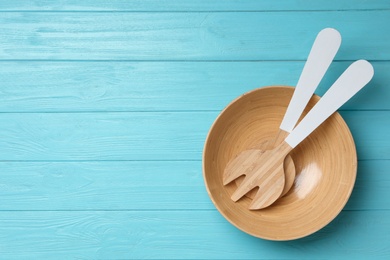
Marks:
<point>105,105</point>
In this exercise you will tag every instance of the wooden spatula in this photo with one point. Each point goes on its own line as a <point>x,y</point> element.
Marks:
<point>321,55</point>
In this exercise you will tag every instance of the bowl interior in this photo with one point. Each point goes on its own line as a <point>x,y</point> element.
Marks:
<point>325,162</point>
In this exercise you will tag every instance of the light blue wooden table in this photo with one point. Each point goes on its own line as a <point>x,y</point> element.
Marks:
<point>105,106</point>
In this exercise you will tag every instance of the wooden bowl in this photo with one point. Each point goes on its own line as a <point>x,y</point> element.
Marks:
<point>325,162</point>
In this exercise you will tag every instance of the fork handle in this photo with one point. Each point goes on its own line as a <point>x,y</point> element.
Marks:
<point>354,78</point>
<point>320,57</point>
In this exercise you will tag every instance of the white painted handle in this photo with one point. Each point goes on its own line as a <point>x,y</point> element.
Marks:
<point>321,55</point>
<point>357,75</point>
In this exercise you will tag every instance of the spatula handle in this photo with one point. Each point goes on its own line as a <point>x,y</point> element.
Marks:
<point>320,57</point>
<point>357,75</point>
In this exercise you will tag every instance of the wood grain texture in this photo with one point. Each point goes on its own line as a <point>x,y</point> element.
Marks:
<point>156,86</point>
<point>190,6</point>
<point>114,185</point>
<point>74,182</point>
<point>325,165</point>
<point>120,185</point>
<point>145,136</point>
<point>179,235</point>
<point>188,36</point>
<point>103,136</point>
<point>288,166</point>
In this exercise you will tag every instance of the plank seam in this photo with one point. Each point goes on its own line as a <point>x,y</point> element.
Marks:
<point>197,11</point>
<point>153,210</point>
<point>173,61</point>
<point>156,111</point>
<point>152,160</point>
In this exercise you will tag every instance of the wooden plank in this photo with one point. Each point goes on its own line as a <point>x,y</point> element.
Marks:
<point>103,185</point>
<point>372,184</point>
<point>156,86</point>
<point>370,131</point>
<point>188,36</point>
<point>145,136</point>
<point>156,185</point>
<point>180,234</point>
<point>103,136</point>
<point>191,6</point>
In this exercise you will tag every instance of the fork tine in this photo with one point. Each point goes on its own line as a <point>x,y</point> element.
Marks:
<point>240,165</point>
<point>230,176</point>
<point>264,199</point>
<point>243,189</point>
